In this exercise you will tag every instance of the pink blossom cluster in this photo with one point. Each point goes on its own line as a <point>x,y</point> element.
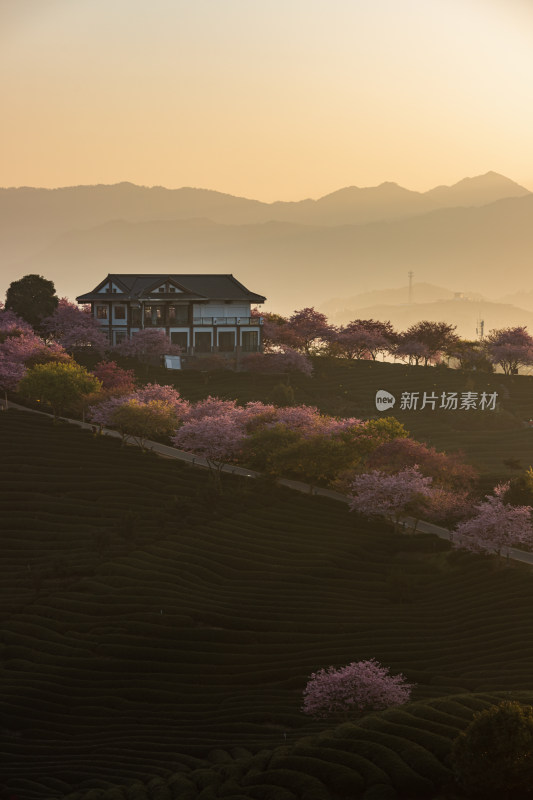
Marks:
<point>495,526</point>
<point>73,326</point>
<point>102,413</point>
<point>147,342</point>
<point>389,495</point>
<point>20,347</point>
<point>353,690</point>
<point>216,438</point>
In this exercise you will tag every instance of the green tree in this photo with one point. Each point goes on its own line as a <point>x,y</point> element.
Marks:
<point>493,757</point>
<point>263,449</point>
<point>32,298</point>
<point>315,460</point>
<point>60,385</point>
<point>142,421</point>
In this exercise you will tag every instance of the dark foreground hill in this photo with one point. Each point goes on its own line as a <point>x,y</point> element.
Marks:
<point>153,632</point>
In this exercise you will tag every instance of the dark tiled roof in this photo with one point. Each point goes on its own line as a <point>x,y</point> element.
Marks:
<point>197,287</point>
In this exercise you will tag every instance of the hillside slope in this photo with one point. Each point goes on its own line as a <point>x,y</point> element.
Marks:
<point>147,622</point>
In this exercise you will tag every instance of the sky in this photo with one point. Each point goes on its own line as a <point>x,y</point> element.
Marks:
<point>270,99</point>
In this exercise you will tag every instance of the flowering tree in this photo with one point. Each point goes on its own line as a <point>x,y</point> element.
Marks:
<point>412,350</point>
<point>307,328</point>
<point>213,407</point>
<point>102,413</point>
<point>151,342</point>
<point>496,525</point>
<point>392,496</point>
<point>274,328</point>
<point>362,339</point>
<point>351,691</point>
<point>216,438</point>
<point>11,373</point>
<point>21,348</point>
<point>511,348</point>
<point>10,322</point>
<point>72,326</point>
<point>426,341</point>
<point>114,378</point>
<point>449,470</point>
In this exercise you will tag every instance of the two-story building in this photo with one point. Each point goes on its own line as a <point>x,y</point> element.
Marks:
<point>200,313</point>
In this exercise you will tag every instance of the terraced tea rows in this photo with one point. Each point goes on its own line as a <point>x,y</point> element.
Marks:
<point>147,622</point>
<point>398,753</point>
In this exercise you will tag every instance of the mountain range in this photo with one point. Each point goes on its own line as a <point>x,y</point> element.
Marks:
<point>475,235</point>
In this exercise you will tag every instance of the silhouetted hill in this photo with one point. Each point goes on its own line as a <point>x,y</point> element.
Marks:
<point>421,293</point>
<point>477,191</point>
<point>463,313</point>
<point>296,265</point>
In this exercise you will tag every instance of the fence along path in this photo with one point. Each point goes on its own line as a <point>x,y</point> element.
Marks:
<point>419,526</point>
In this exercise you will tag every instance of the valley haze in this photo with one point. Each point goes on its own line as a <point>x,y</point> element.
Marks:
<point>472,240</point>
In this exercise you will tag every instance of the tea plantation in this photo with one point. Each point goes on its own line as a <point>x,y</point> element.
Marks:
<point>156,638</point>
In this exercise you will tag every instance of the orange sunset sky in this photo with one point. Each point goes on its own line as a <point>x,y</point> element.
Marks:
<point>277,99</point>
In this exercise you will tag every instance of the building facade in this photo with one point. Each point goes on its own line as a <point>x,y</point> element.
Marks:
<point>201,313</point>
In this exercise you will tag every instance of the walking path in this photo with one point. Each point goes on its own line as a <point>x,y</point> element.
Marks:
<point>197,461</point>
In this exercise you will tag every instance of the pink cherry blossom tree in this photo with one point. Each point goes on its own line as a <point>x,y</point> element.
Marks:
<point>447,469</point>
<point>21,348</point>
<point>102,413</point>
<point>496,526</point>
<point>307,330</point>
<point>363,339</point>
<point>11,373</point>
<point>393,496</point>
<point>411,350</point>
<point>511,348</point>
<point>114,378</point>
<point>427,340</point>
<point>149,342</point>
<point>218,439</point>
<point>73,326</point>
<point>356,689</point>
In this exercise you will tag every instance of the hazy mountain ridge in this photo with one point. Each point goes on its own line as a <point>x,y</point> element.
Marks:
<point>296,265</point>
<point>421,293</point>
<point>76,235</point>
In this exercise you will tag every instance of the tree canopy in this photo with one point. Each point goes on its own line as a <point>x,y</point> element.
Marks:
<point>33,298</point>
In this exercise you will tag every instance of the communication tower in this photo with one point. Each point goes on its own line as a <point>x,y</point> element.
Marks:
<point>410,275</point>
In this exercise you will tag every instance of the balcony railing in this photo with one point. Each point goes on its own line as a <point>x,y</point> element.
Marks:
<point>228,320</point>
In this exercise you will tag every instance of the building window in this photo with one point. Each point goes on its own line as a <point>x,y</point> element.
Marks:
<point>153,315</point>
<point>250,341</point>
<point>180,338</point>
<point>101,312</point>
<point>136,320</point>
<point>120,336</point>
<point>178,315</point>
<point>120,312</point>
<point>226,341</point>
<point>202,342</point>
